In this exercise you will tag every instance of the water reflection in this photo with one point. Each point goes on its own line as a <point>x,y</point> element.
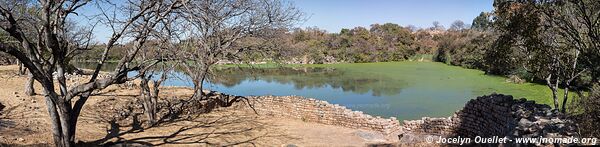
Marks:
<point>109,66</point>
<point>299,77</point>
<point>310,78</point>
<point>406,97</point>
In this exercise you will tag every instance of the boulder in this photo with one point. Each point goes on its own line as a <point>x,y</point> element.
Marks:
<point>1,106</point>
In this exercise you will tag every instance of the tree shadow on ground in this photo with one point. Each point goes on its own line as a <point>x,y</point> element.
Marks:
<point>182,122</point>
<point>18,112</point>
<point>17,121</point>
<point>29,145</point>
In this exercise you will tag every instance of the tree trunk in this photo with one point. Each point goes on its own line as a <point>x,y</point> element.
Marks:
<point>66,124</point>
<point>154,100</point>
<point>198,85</point>
<point>22,70</point>
<point>147,100</point>
<point>555,93</point>
<point>29,90</point>
<point>553,88</point>
<point>197,96</point>
<point>56,127</point>
<point>62,126</point>
<point>564,102</point>
<point>202,79</point>
<point>60,111</point>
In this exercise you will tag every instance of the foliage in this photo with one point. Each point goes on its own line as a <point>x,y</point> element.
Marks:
<point>379,43</point>
<point>554,41</point>
<point>5,58</point>
<point>482,22</point>
<point>463,47</point>
<point>585,110</point>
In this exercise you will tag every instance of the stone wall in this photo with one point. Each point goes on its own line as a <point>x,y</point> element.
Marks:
<point>496,115</point>
<point>312,110</point>
<point>486,116</point>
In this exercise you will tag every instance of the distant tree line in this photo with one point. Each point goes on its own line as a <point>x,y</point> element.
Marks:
<point>379,43</point>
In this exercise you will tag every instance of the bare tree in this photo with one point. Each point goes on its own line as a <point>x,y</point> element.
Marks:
<point>437,26</point>
<point>149,94</point>
<point>29,89</point>
<point>152,78</point>
<point>214,26</point>
<point>457,25</point>
<point>45,53</point>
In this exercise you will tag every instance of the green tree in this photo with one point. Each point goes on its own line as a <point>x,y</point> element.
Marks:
<point>482,22</point>
<point>553,40</point>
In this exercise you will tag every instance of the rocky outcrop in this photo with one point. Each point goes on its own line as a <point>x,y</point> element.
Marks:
<point>495,115</point>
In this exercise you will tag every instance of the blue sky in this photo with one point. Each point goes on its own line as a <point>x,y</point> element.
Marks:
<point>333,15</point>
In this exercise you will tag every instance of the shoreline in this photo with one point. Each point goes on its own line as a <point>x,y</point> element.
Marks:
<point>312,122</point>
<point>25,121</point>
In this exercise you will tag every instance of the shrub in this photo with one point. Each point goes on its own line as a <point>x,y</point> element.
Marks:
<point>585,110</point>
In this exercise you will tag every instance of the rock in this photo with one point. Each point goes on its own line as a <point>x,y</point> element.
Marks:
<point>289,145</point>
<point>20,139</point>
<point>2,107</point>
<point>515,79</point>
<point>555,121</point>
<point>525,122</point>
<point>369,136</point>
<point>415,138</point>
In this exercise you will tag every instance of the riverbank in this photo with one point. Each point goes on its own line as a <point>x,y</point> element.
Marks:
<point>427,75</point>
<point>407,90</point>
<point>113,116</point>
<point>25,121</point>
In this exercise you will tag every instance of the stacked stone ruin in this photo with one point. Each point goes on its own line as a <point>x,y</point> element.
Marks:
<point>486,116</point>
<point>496,115</point>
<point>312,110</point>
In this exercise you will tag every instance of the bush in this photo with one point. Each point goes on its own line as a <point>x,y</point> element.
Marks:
<point>585,110</point>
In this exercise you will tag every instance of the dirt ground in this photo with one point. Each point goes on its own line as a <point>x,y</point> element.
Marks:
<point>25,121</point>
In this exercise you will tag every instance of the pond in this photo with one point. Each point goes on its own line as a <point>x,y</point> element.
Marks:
<point>406,90</point>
